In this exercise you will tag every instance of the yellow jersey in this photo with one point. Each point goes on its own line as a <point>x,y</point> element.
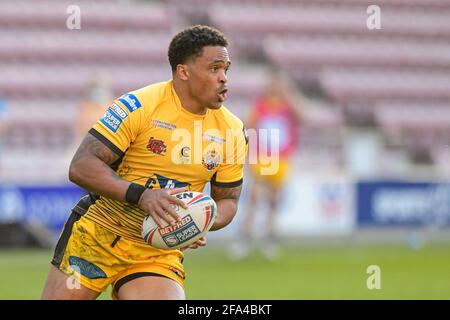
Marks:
<point>162,145</point>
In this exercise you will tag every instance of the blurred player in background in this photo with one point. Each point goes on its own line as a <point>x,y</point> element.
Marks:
<point>130,164</point>
<point>279,108</point>
<point>3,125</point>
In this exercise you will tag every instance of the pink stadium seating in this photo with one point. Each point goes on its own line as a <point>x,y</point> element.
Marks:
<point>328,19</point>
<point>399,74</point>
<point>87,46</point>
<point>95,15</point>
<point>69,81</point>
<point>372,84</point>
<point>441,158</point>
<point>319,52</point>
<point>418,127</point>
<point>422,118</point>
<point>192,6</point>
<point>41,80</point>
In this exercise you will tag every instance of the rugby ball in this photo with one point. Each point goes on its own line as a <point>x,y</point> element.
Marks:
<point>196,221</point>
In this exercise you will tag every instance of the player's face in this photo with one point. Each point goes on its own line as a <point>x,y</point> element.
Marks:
<point>207,76</point>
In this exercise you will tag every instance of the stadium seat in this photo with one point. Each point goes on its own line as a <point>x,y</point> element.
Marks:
<point>371,85</point>
<point>24,14</point>
<point>41,80</point>
<point>327,19</point>
<point>399,75</point>
<point>319,52</point>
<point>87,46</point>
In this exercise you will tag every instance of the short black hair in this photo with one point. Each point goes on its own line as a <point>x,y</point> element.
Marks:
<point>190,42</point>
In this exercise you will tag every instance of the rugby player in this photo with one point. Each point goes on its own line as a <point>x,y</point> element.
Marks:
<point>134,159</point>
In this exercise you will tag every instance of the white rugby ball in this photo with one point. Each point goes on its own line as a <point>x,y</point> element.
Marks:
<point>196,221</point>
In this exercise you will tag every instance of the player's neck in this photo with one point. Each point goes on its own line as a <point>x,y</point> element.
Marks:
<point>187,101</point>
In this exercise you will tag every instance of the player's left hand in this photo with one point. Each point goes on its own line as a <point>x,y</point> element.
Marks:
<point>199,243</point>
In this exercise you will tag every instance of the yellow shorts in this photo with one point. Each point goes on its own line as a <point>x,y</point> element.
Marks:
<point>98,257</point>
<point>277,178</point>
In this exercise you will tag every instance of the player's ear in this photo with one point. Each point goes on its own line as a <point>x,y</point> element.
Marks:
<point>182,72</point>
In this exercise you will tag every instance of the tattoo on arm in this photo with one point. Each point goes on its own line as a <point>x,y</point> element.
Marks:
<point>91,146</point>
<point>218,193</point>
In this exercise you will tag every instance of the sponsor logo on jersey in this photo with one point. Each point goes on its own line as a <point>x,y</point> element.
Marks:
<point>87,269</point>
<point>118,110</point>
<point>211,160</point>
<point>111,120</point>
<point>213,138</point>
<point>156,146</point>
<point>130,101</point>
<point>185,155</point>
<point>162,124</point>
<point>161,182</point>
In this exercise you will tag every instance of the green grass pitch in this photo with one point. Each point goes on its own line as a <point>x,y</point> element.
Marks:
<point>314,272</point>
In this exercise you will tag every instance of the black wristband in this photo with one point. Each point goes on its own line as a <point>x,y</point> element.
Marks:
<point>134,193</point>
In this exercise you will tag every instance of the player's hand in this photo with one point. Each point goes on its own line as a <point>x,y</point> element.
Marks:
<point>160,205</point>
<point>199,243</point>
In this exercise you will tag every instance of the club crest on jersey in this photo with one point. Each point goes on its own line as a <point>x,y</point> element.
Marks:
<point>156,146</point>
<point>211,160</point>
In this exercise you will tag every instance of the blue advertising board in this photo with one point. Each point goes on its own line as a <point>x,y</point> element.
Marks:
<point>400,203</point>
<point>48,206</point>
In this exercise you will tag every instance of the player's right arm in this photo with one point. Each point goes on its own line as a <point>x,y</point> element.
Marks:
<point>90,169</point>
